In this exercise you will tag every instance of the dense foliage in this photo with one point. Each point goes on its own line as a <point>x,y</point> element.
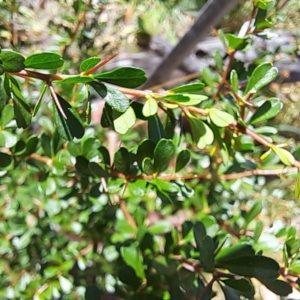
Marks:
<point>180,208</point>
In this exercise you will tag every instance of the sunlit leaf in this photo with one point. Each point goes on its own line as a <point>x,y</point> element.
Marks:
<point>44,61</point>
<point>261,76</point>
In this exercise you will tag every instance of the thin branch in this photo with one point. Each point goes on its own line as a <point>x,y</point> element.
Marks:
<point>128,216</point>
<point>99,65</point>
<point>55,99</point>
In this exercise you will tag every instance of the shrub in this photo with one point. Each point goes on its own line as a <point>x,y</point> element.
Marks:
<point>174,211</point>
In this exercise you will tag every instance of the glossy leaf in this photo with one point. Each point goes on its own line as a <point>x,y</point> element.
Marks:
<point>185,99</point>
<point>44,61</point>
<point>129,77</point>
<point>98,170</point>
<point>75,79</point>
<point>189,88</point>
<point>220,118</point>
<point>112,97</point>
<point>147,166</point>
<point>205,246</point>
<point>89,63</point>
<point>12,61</point>
<point>261,76</point>
<point>183,159</point>
<point>121,160</point>
<point>240,284</point>
<point>260,267</point>
<point>234,252</point>
<point>163,152</point>
<point>70,127</point>
<point>145,149</point>
<point>268,110</point>
<point>124,121</point>
<point>156,131</point>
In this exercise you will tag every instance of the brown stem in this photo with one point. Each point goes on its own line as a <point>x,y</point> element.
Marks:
<point>127,214</point>
<point>99,65</point>
<point>203,292</point>
<point>55,99</point>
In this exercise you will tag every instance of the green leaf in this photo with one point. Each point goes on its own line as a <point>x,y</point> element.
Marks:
<point>134,259</point>
<point>234,41</point>
<point>150,107</point>
<point>208,76</point>
<point>252,213</point>
<point>31,145</point>
<point>12,61</point>
<point>7,115</point>
<point>44,61</point>
<point>202,134</point>
<point>70,127</point>
<point>121,160</point>
<point>185,99</point>
<point>159,227</point>
<point>167,186</point>
<point>285,156</point>
<point>234,80</point>
<point>268,110</point>
<point>147,166</point>
<point>7,139</point>
<point>98,170</point>
<point>82,166</point>
<point>145,149</point>
<point>261,76</point>
<point>234,252</point>
<point>155,129</point>
<point>219,60</point>
<point>205,246</point>
<point>189,88</point>
<point>105,155</point>
<point>260,267</point>
<point>220,118</point>
<point>129,77</point>
<point>5,160</point>
<point>278,287</point>
<point>240,284</point>
<point>112,97</point>
<point>124,121</point>
<point>183,159</point>
<point>89,63</point>
<point>229,293</point>
<point>21,108</point>
<point>73,79</point>
<point>39,101</point>
<point>163,152</point>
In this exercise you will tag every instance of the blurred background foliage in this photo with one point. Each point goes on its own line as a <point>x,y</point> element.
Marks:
<point>53,228</point>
